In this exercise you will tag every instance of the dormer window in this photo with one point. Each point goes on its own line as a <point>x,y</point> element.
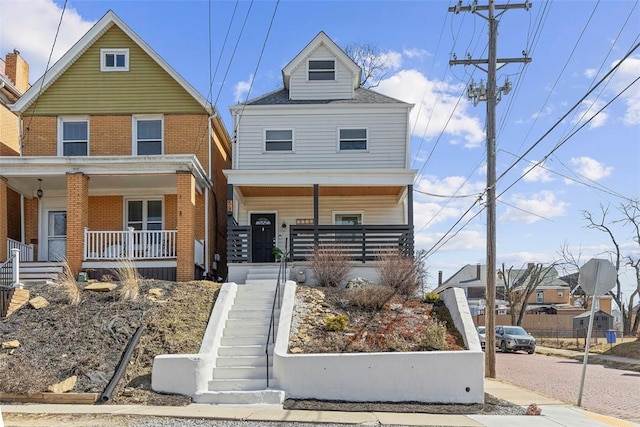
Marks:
<point>322,70</point>
<point>114,59</point>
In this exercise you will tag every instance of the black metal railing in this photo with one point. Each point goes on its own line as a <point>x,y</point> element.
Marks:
<point>359,242</point>
<point>6,284</point>
<point>277,299</point>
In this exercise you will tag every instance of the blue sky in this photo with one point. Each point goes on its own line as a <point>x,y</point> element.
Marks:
<point>572,43</point>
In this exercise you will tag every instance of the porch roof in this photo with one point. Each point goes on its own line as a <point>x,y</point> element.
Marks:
<point>330,177</point>
<point>18,169</point>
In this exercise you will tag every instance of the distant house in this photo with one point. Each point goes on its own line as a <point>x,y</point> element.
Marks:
<point>119,157</point>
<point>602,322</point>
<point>321,161</point>
<point>472,279</point>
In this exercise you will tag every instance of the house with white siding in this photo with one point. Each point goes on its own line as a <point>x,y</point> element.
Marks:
<point>321,161</point>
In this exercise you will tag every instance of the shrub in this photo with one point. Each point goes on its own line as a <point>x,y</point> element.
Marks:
<point>335,323</point>
<point>432,298</point>
<point>67,279</point>
<point>403,273</point>
<point>129,279</point>
<point>371,297</point>
<point>330,265</point>
<point>435,336</point>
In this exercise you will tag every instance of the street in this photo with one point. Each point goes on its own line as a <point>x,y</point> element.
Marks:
<point>607,391</point>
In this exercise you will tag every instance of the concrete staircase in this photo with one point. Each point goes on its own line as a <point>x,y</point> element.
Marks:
<point>240,372</point>
<point>39,271</point>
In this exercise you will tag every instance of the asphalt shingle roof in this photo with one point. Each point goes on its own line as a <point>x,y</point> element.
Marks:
<point>362,96</point>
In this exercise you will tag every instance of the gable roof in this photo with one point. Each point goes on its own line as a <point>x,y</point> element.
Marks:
<point>322,40</point>
<point>361,96</point>
<point>102,26</point>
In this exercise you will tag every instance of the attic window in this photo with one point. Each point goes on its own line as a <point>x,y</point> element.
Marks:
<point>322,70</point>
<point>114,59</point>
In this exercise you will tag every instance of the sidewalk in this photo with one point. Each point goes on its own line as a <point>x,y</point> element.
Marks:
<point>579,355</point>
<point>554,413</point>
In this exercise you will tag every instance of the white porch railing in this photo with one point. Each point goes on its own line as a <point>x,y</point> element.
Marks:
<point>131,244</point>
<point>26,251</point>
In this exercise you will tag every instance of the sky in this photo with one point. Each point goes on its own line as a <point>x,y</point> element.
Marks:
<point>590,151</point>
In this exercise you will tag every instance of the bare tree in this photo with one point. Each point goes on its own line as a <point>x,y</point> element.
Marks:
<point>570,264</point>
<point>519,285</point>
<point>631,218</point>
<point>374,63</point>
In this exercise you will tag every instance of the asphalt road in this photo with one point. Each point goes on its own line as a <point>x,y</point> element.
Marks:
<point>607,391</point>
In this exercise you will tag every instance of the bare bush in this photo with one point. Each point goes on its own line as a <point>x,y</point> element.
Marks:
<point>330,265</point>
<point>72,292</point>
<point>403,273</point>
<point>435,336</point>
<point>371,297</point>
<point>129,278</point>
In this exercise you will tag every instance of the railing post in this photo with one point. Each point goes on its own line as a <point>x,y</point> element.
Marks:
<point>85,250</point>
<point>130,243</point>
<point>16,268</point>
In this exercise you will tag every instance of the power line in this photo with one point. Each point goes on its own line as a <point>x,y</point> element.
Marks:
<point>453,196</point>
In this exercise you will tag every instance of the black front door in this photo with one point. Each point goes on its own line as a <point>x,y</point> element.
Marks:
<point>263,233</point>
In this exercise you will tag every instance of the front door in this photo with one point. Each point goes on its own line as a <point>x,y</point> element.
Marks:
<point>263,233</point>
<point>56,235</point>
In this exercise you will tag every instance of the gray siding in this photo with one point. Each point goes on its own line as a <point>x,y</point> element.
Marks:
<point>340,88</point>
<point>315,134</point>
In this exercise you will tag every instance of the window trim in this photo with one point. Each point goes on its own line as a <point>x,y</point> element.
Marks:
<point>334,213</point>
<point>334,70</point>
<point>134,132</point>
<point>145,210</point>
<point>264,140</point>
<point>61,121</point>
<point>340,140</point>
<point>114,51</point>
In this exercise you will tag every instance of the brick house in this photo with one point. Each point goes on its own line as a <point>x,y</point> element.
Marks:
<point>119,157</point>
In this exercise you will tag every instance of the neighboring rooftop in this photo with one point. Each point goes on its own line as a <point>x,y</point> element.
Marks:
<point>361,96</point>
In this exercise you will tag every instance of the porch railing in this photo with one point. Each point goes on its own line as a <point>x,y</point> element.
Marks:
<point>131,243</point>
<point>239,243</point>
<point>26,251</point>
<point>359,242</point>
<point>10,271</point>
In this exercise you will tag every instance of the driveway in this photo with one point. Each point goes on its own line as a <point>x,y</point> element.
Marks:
<point>607,391</point>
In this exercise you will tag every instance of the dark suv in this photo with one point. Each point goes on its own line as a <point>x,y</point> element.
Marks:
<point>514,338</point>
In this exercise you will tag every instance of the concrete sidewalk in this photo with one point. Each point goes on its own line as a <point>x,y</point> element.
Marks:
<point>554,413</point>
<point>579,355</point>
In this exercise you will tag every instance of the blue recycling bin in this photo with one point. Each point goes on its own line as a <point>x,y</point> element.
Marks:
<point>611,336</point>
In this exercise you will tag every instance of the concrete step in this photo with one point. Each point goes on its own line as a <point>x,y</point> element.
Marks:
<point>239,372</point>
<point>268,281</point>
<point>252,305</point>
<point>239,384</point>
<point>239,331</point>
<point>244,350</point>
<point>255,322</point>
<point>252,397</point>
<point>236,361</point>
<point>243,340</point>
<point>250,314</point>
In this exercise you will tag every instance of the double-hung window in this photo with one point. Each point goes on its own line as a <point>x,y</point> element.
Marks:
<point>347,218</point>
<point>322,70</point>
<point>144,214</point>
<point>147,135</point>
<point>353,140</point>
<point>73,136</point>
<point>278,140</point>
<point>114,59</point>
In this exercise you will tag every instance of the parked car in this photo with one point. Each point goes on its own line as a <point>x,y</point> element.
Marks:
<point>514,338</point>
<point>481,332</point>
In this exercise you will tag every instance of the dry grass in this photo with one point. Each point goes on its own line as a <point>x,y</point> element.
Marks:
<point>67,279</point>
<point>402,273</point>
<point>371,297</point>
<point>627,347</point>
<point>129,278</point>
<point>330,265</point>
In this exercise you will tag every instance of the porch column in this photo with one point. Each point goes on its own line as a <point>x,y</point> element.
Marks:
<point>186,189</point>
<point>316,213</point>
<point>4,219</point>
<point>77,218</point>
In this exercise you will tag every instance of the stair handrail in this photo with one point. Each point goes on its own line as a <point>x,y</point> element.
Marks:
<point>277,297</point>
<point>9,271</point>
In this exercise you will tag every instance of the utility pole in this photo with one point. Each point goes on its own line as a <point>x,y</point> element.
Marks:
<point>492,95</point>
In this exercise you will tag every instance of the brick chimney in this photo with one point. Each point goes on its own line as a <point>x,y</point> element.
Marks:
<point>17,70</point>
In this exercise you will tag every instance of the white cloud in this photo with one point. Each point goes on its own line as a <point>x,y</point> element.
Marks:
<point>535,173</point>
<point>591,168</point>
<point>547,110</point>
<point>590,73</point>
<point>242,88</point>
<point>30,27</point>
<point>437,107</point>
<point>451,185</point>
<point>534,207</point>
<point>465,240</point>
<point>415,53</point>
<point>588,110</point>
<point>627,72</point>
<point>392,59</point>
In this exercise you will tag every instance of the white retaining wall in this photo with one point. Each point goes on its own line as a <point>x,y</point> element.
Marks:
<point>437,377</point>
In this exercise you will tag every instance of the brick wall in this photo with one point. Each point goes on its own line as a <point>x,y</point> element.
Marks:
<point>17,69</point>
<point>77,217</point>
<point>186,224</point>
<point>31,224</point>
<point>110,135</point>
<point>9,134</point>
<point>4,205</point>
<point>187,134</point>
<point>39,135</point>
<point>105,213</point>
<point>171,212</point>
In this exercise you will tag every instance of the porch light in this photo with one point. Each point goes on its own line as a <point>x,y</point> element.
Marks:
<point>39,193</point>
<point>284,225</point>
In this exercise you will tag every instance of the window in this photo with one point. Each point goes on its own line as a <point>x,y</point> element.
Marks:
<point>73,136</point>
<point>322,70</point>
<point>147,135</point>
<point>144,214</point>
<point>560,294</point>
<point>114,59</point>
<point>540,297</point>
<point>347,219</point>
<point>278,140</point>
<point>353,139</point>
